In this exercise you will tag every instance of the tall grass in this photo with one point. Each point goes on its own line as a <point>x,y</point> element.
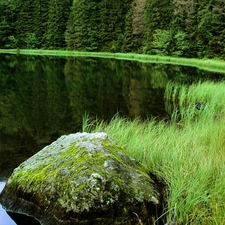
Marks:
<point>202,101</point>
<point>190,159</point>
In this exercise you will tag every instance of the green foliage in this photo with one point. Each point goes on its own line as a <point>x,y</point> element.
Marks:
<point>181,43</point>
<point>12,42</point>
<point>92,26</point>
<point>6,27</point>
<point>158,15</point>
<point>97,25</point>
<point>161,42</point>
<point>201,23</point>
<point>128,35</point>
<point>40,16</point>
<point>83,26</point>
<point>31,40</point>
<point>112,23</point>
<point>58,15</point>
<point>189,158</point>
<point>181,102</point>
<point>75,26</point>
<point>24,21</point>
<point>177,28</point>
<point>211,30</point>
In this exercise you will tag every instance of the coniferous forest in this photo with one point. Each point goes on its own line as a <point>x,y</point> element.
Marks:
<point>186,28</point>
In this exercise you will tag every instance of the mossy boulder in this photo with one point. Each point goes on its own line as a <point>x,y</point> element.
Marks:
<point>83,178</point>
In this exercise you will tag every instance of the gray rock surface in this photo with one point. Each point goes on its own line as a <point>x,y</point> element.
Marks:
<point>82,178</point>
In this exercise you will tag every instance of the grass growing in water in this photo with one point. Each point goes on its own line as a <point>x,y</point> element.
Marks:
<point>191,160</point>
<point>202,101</point>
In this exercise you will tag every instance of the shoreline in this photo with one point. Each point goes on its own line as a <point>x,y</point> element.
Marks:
<point>204,64</point>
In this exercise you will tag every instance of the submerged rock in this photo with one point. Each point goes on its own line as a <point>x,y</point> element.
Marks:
<point>83,178</point>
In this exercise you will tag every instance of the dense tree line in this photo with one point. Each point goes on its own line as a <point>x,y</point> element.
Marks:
<point>190,28</point>
<point>33,24</point>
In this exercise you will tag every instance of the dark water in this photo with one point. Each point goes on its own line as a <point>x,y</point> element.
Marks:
<point>42,98</point>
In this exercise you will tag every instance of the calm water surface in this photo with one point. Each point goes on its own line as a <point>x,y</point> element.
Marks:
<point>42,98</point>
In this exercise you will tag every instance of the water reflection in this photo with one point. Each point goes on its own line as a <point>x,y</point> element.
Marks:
<point>42,98</point>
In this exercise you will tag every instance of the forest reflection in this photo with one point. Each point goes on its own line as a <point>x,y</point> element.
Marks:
<point>42,98</point>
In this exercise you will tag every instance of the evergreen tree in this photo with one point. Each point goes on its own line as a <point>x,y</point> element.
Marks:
<point>83,26</point>
<point>58,15</point>
<point>92,26</point>
<point>4,33</point>
<point>158,15</point>
<point>24,21</point>
<point>40,16</point>
<point>112,24</point>
<point>132,39</point>
<point>7,21</point>
<point>181,28</point>
<point>76,31</point>
<point>97,25</point>
<point>211,29</point>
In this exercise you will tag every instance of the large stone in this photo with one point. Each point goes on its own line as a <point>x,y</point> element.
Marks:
<point>83,178</point>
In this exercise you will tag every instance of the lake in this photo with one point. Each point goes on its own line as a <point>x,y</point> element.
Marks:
<point>42,98</point>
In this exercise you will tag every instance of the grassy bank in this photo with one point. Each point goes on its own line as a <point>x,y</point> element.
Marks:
<point>201,101</point>
<point>206,64</point>
<point>190,158</point>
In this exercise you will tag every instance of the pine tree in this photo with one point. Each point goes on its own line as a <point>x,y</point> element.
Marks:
<point>112,24</point>
<point>40,16</point>
<point>7,21</point>
<point>82,28</point>
<point>58,15</point>
<point>24,21</point>
<point>75,32</point>
<point>158,15</point>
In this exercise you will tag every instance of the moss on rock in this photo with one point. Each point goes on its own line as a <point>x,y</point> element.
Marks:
<point>82,178</point>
